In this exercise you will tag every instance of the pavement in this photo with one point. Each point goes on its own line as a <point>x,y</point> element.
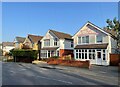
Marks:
<point>44,74</point>
<point>95,70</point>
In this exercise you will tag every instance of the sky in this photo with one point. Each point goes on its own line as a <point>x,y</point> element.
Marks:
<point>23,18</point>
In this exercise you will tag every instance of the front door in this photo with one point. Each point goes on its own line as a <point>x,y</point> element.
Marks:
<point>99,57</point>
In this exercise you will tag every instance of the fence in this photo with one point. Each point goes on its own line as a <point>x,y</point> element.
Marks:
<point>114,59</point>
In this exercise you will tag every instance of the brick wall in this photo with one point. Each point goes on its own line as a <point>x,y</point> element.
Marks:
<point>64,52</point>
<point>82,64</point>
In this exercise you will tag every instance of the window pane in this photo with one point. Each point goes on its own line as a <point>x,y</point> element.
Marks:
<point>82,50</point>
<point>93,56</point>
<point>71,44</point>
<point>76,50</point>
<point>85,55</point>
<point>48,53</point>
<point>83,40</point>
<point>87,39</point>
<point>99,54</point>
<point>89,50</point>
<point>103,51</point>
<point>76,55</point>
<point>82,55</point>
<point>79,40</point>
<point>90,56</point>
<point>104,57</point>
<point>99,38</point>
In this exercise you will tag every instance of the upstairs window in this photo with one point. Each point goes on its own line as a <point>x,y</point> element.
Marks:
<point>47,42</point>
<point>83,39</point>
<point>99,39</point>
<point>55,42</point>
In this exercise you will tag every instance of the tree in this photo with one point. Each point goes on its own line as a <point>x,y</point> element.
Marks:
<point>114,29</point>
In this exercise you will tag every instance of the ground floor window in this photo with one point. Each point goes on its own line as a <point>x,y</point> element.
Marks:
<point>49,53</point>
<point>44,53</point>
<point>90,54</point>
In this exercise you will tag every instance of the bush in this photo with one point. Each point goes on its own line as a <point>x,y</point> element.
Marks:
<point>24,53</point>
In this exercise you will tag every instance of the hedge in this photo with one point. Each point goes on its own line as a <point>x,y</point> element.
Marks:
<point>24,53</point>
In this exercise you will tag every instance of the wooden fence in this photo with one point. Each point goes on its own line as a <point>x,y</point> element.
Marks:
<point>114,59</point>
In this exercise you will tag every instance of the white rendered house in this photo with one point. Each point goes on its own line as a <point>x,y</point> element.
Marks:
<point>56,43</point>
<point>93,44</point>
<point>7,46</point>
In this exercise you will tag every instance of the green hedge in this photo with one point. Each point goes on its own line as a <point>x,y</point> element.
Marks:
<point>24,53</point>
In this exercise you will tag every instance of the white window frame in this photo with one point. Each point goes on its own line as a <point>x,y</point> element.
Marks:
<point>47,42</point>
<point>80,39</point>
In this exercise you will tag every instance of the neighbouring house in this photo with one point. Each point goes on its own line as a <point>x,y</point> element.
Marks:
<point>56,43</point>
<point>6,47</point>
<point>18,42</point>
<point>31,42</point>
<point>94,44</point>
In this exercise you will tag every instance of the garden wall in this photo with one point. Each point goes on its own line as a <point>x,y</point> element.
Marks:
<point>83,64</point>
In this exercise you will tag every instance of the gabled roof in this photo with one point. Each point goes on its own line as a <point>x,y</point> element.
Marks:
<point>61,35</point>
<point>96,27</point>
<point>34,38</point>
<point>20,39</point>
<point>7,44</point>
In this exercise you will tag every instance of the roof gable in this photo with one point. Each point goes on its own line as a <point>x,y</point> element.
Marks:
<point>61,35</point>
<point>34,38</point>
<point>20,39</point>
<point>95,27</point>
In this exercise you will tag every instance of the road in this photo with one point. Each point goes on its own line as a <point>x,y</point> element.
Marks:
<point>30,74</point>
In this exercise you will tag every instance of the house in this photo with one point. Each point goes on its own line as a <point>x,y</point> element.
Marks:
<point>56,43</point>
<point>94,44</point>
<point>18,42</point>
<point>6,47</point>
<point>31,42</point>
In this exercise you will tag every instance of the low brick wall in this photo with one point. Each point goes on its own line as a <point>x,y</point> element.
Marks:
<point>82,64</point>
<point>114,59</point>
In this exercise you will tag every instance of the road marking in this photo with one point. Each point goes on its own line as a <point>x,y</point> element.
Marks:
<point>103,72</point>
<point>43,69</point>
<point>12,71</point>
<point>22,69</point>
<point>55,79</point>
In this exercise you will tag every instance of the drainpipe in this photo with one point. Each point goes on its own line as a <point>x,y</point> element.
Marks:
<point>39,49</point>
